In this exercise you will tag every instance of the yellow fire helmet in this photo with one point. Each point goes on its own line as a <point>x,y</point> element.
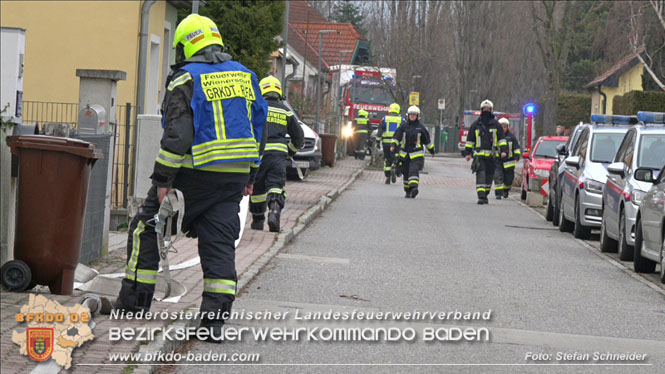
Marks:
<point>270,84</point>
<point>196,32</point>
<point>394,108</point>
<point>413,110</point>
<point>363,113</point>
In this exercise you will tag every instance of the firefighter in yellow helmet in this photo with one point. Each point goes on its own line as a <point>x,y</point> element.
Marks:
<point>411,141</point>
<point>485,143</point>
<point>270,181</point>
<point>360,133</point>
<point>389,124</point>
<point>213,117</point>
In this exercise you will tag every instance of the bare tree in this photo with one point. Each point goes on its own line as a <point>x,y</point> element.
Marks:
<point>638,34</point>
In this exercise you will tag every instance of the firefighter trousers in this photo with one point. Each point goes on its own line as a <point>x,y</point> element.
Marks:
<point>388,159</point>
<point>269,184</point>
<point>360,144</point>
<point>484,176</point>
<point>211,213</point>
<point>411,172</point>
<point>503,177</point>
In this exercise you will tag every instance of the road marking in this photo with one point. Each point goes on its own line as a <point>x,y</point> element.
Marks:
<point>607,258</point>
<point>329,260</point>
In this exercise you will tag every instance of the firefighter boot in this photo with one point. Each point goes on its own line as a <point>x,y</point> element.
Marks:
<point>482,198</point>
<point>274,212</point>
<point>258,221</point>
<point>387,180</point>
<point>414,192</point>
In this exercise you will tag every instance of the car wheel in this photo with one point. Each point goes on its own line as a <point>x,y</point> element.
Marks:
<point>564,224</point>
<point>549,214</point>
<point>523,195</point>
<point>607,244</point>
<point>662,263</point>
<point>580,231</point>
<point>641,264</point>
<point>625,251</point>
<point>556,213</point>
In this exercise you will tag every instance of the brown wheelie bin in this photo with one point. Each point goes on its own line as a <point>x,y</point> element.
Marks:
<point>52,191</point>
<point>328,148</point>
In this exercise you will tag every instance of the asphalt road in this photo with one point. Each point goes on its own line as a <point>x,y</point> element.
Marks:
<point>373,250</point>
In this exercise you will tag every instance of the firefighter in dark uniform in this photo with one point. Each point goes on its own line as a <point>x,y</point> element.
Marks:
<point>389,124</point>
<point>213,117</point>
<point>485,143</point>
<point>270,181</point>
<point>360,133</point>
<point>412,139</point>
<point>505,168</point>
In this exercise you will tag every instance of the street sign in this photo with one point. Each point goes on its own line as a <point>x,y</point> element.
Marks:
<point>414,98</point>
<point>442,104</point>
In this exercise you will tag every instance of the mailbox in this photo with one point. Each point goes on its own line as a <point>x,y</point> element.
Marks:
<point>92,120</point>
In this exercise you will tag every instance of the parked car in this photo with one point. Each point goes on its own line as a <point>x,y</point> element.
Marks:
<point>642,147</point>
<point>650,227</point>
<point>556,171</point>
<point>308,158</point>
<point>584,178</point>
<point>538,162</point>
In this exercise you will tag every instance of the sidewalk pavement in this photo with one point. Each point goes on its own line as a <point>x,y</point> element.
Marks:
<point>305,200</point>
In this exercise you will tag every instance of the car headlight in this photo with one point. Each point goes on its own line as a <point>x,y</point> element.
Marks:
<point>636,196</point>
<point>593,186</point>
<point>542,173</point>
<point>347,132</point>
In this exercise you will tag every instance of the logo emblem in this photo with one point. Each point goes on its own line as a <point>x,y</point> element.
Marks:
<point>40,343</point>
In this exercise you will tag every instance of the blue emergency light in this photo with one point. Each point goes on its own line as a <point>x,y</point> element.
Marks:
<point>613,119</point>
<point>529,109</point>
<point>651,117</point>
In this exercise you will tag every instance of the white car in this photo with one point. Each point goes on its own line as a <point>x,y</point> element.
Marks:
<point>584,178</point>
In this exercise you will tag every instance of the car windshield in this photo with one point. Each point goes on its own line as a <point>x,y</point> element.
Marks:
<point>604,146</point>
<point>652,151</point>
<point>547,149</point>
<point>375,94</point>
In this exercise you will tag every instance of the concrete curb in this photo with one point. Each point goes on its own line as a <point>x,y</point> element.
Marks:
<point>160,345</point>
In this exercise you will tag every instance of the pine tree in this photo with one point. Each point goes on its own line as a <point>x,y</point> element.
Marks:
<point>248,29</point>
<point>348,12</point>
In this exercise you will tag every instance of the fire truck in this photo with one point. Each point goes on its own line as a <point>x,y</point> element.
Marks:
<point>364,87</point>
<point>470,116</point>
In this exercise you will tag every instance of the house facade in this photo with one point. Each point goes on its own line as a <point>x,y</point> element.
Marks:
<point>621,78</point>
<point>63,36</point>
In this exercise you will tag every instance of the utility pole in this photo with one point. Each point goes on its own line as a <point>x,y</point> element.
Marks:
<point>286,44</point>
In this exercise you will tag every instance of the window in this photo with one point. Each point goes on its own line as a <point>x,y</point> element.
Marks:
<point>581,143</point>
<point>547,149</point>
<point>604,146</point>
<point>376,94</point>
<point>625,144</point>
<point>652,151</point>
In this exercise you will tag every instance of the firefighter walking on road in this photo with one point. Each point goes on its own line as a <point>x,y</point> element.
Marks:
<point>387,128</point>
<point>360,133</point>
<point>213,117</point>
<point>270,181</point>
<point>505,168</point>
<point>412,139</point>
<point>485,143</point>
